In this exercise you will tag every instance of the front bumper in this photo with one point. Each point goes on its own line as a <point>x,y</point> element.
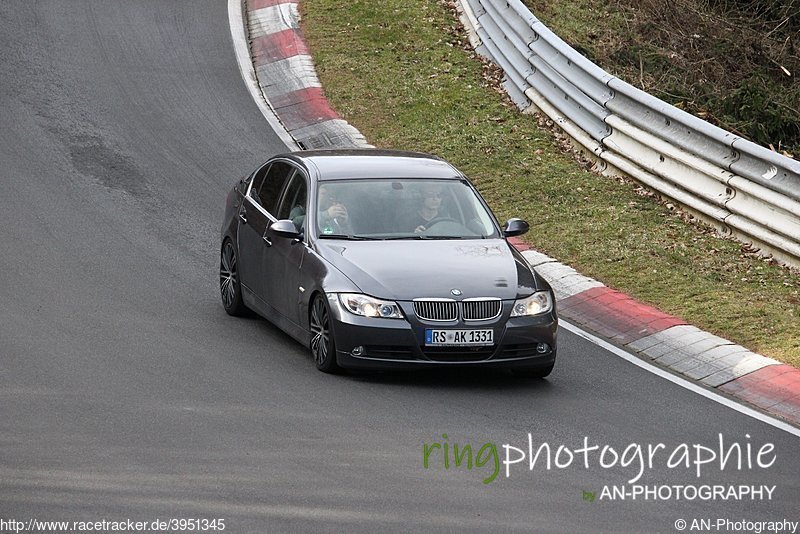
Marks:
<point>400,343</point>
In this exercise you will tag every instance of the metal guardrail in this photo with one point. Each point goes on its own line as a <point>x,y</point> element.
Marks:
<point>740,187</point>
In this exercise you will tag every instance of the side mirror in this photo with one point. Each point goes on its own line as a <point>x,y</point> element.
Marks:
<point>286,228</point>
<point>515,227</point>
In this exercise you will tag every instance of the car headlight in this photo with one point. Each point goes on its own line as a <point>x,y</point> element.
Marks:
<point>537,304</point>
<point>370,307</point>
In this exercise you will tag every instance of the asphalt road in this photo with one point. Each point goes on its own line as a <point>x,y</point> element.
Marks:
<point>127,392</point>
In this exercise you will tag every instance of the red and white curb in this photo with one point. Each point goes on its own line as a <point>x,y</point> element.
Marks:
<point>286,76</point>
<point>669,342</point>
<point>278,59</point>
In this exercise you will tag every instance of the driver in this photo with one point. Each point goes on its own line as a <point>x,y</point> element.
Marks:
<point>429,210</point>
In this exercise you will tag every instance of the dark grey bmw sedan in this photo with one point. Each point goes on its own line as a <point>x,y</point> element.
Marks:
<point>383,259</point>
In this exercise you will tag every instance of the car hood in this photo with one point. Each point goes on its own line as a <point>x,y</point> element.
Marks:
<point>409,269</point>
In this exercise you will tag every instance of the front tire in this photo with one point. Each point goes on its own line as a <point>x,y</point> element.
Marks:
<point>323,347</point>
<point>230,287</point>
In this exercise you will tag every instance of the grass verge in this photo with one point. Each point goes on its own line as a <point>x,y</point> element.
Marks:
<point>732,62</point>
<point>402,73</point>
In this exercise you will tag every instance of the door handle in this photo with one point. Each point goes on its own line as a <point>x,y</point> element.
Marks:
<point>267,241</point>
<point>242,216</point>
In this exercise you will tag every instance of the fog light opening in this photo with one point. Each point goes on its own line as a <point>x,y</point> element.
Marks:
<point>541,348</point>
<point>358,351</point>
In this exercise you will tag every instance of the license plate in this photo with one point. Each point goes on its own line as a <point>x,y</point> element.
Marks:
<point>440,338</point>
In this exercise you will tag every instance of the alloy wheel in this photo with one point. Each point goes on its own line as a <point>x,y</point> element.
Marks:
<point>230,284</point>
<point>228,276</point>
<point>320,332</point>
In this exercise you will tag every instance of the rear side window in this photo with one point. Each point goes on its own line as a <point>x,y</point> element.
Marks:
<point>268,182</point>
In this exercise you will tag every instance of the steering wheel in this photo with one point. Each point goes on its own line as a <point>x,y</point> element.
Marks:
<point>437,220</point>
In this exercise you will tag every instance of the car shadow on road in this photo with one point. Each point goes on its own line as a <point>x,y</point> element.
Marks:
<point>455,378</point>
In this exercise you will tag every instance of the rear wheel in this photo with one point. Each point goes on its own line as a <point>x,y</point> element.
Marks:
<point>230,287</point>
<point>323,348</point>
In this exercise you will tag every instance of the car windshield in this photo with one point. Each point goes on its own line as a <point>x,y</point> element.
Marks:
<point>402,209</point>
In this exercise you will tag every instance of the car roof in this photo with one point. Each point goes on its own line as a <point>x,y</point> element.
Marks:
<point>349,164</point>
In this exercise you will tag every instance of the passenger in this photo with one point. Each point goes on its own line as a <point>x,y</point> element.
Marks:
<point>332,214</point>
<point>298,213</point>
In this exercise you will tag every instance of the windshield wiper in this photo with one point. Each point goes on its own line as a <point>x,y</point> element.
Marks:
<point>348,237</point>
<point>423,237</point>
